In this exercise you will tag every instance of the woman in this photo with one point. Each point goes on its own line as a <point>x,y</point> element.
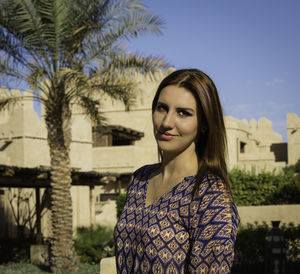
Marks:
<point>179,215</point>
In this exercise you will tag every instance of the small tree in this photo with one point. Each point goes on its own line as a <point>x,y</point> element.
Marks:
<point>24,213</point>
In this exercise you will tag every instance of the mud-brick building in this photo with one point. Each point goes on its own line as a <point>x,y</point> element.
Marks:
<point>103,160</point>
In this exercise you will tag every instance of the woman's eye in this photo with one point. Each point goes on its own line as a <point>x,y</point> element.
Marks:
<point>161,108</point>
<point>184,113</point>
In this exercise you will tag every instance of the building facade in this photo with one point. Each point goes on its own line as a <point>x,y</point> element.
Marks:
<point>124,145</point>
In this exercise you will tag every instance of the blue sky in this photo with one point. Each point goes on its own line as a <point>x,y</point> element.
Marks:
<point>250,48</point>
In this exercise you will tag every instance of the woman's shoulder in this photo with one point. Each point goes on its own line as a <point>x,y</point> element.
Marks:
<point>213,182</point>
<point>213,186</point>
<point>142,173</point>
<point>213,192</point>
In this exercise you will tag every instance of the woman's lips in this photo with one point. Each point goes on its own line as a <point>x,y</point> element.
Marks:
<point>166,136</point>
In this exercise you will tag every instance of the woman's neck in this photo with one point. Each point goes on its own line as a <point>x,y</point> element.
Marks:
<point>180,165</point>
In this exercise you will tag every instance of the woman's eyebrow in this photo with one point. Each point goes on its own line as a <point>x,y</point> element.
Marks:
<point>178,108</point>
<point>161,103</point>
<point>186,108</point>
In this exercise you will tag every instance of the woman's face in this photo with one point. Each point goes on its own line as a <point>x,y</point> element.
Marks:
<point>175,120</point>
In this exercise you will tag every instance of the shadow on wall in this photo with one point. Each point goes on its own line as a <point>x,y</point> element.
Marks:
<point>280,151</point>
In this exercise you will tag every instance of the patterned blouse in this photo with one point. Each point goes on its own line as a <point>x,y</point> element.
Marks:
<point>177,233</point>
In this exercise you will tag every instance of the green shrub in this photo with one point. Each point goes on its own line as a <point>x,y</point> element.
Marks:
<point>15,251</point>
<point>265,188</point>
<point>290,170</point>
<point>121,199</point>
<point>250,244</point>
<point>291,234</point>
<point>297,166</point>
<point>32,269</point>
<point>94,243</point>
<point>250,248</point>
<point>248,188</point>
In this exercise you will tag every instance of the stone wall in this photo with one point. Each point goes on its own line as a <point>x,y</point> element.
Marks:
<point>249,144</point>
<point>23,132</point>
<point>283,213</point>
<point>26,134</point>
<point>293,133</point>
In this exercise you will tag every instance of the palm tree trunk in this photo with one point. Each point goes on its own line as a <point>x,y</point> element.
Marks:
<point>62,254</point>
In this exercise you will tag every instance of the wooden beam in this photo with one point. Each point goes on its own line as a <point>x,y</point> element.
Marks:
<point>39,236</point>
<point>23,182</point>
<point>35,182</point>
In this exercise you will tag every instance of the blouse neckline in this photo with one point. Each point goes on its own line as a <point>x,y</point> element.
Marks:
<point>185,179</point>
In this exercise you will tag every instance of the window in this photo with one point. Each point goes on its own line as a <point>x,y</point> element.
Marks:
<point>117,141</point>
<point>242,147</point>
<point>115,136</point>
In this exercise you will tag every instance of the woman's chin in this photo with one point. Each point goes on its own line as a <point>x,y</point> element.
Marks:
<point>168,149</point>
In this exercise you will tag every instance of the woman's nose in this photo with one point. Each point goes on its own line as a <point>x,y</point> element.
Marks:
<point>169,120</point>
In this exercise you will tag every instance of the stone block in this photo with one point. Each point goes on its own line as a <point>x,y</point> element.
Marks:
<point>39,254</point>
<point>108,266</point>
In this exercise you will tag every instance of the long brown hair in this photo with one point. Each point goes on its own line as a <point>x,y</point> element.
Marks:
<point>211,142</point>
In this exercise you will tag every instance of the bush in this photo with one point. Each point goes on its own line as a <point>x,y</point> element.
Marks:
<point>250,189</point>
<point>297,166</point>
<point>121,199</point>
<point>94,243</point>
<point>15,251</point>
<point>265,188</point>
<point>29,268</point>
<point>250,248</point>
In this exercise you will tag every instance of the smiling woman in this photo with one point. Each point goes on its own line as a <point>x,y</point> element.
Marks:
<point>179,215</point>
<point>175,119</point>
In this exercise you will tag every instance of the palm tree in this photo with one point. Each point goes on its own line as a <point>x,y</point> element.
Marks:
<point>68,51</point>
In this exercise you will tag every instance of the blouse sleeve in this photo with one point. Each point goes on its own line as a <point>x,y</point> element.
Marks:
<point>212,229</point>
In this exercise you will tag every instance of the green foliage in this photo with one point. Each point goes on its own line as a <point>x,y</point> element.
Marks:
<point>121,199</point>
<point>15,251</point>
<point>265,188</point>
<point>250,247</point>
<point>248,188</point>
<point>289,170</point>
<point>29,268</point>
<point>297,166</point>
<point>94,243</point>
<point>250,243</point>
<point>291,234</point>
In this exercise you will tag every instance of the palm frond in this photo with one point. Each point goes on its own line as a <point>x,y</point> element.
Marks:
<point>10,45</point>
<point>73,83</point>
<point>109,22</point>
<point>7,99</point>
<point>8,71</point>
<point>36,74</point>
<point>25,32</point>
<point>137,23</point>
<point>128,18</point>
<point>118,86</point>
<point>81,22</point>
<point>91,109</point>
<point>65,45</point>
<point>139,63</point>
<point>57,15</point>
